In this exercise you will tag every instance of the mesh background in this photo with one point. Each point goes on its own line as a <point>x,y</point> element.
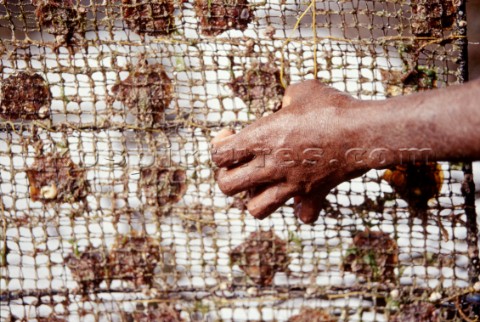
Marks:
<point>346,44</point>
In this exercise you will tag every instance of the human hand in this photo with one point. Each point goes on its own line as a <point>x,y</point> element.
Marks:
<point>301,151</point>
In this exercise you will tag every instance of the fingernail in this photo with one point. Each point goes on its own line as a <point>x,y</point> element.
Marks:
<point>298,210</point>
<point>261,217</point>
<point>222,135</point>
<point>307,221</point>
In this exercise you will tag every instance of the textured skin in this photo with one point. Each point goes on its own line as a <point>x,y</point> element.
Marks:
<point>286,129</point>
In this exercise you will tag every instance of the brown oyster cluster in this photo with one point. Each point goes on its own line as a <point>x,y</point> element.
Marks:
<point>416,183</point>
<point>431,17</point>
<point>54,177</point>
<point>61,18</point>
<point>153,17</point>
<point>261,256</point>
<point>260,88</point>
<point>419,312</point>
<point>398,83</point>
<point>88,268</point>
<point>147,92</point>
<point>163,185</point>
<point>133,258</point>
<point>312,315</point>
<point>217,16</point>
<point>157,312</point>
<point>25,96</point>
<point>373,255</point>
<point>51,319</point>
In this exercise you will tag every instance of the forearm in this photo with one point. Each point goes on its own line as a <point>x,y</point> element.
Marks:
<point>441,125</point>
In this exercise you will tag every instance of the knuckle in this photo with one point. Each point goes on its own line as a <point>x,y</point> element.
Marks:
<point>313,82</point>
<point>344,100</point>
<point>299,89</point>
<point>217,159</point>
<point>221,155</point>
<point>291,89</point>
<point>214,155</point>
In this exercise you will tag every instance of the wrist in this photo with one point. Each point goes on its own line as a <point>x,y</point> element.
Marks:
<point>394,132</point>
<point>374,148</point>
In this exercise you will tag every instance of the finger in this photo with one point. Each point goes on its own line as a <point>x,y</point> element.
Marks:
<point>231,149</point>
<point>270,199</point>
<point>221,135</point>
<point>224,133</point>
<point>246,177</point>
<point>308,207</point>
<point>234,150</point>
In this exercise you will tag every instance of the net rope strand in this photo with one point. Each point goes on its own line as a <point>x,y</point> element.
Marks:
<point>108,202</point>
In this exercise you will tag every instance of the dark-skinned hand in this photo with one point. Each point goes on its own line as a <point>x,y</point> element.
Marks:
<point>300,152</point>
<point>322,137</point>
